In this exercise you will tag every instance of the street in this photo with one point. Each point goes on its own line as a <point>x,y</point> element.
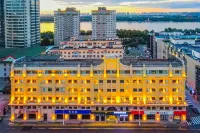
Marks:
<point>55,130</point>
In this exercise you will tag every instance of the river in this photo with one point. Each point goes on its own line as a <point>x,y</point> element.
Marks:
<point>156,26</point>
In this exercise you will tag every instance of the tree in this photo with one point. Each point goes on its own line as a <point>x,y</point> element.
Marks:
<point>47,38</point>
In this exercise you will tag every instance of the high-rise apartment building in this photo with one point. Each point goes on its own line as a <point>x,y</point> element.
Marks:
<point>103,24</point>
<point>2,30</point>
<point>67,24</point>
<point>22,23</point>
<point>45,88</point>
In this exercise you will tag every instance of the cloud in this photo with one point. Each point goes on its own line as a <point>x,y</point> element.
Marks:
<point>163,3</point>
<point>170,4</point>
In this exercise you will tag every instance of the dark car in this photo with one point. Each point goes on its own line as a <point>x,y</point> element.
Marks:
<point>195,110</point>
<point>191,106</point>
<point>188,118</point>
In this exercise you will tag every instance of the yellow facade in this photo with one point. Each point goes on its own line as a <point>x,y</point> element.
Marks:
<point>108,84</point>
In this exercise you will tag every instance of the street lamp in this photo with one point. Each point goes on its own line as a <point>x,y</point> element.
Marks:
<point>63,118</point>
<point>139,117</point>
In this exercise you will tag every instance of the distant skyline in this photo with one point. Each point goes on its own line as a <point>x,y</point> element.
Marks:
<point>138,6</point>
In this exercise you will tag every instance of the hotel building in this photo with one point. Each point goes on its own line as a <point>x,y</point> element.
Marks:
<point>67,25</point>
<point>22,23</point>
<point>78,49</point>
<point>45,88</point>
<point>103,24</point>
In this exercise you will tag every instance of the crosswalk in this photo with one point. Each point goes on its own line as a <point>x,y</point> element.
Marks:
<point>194,121</point>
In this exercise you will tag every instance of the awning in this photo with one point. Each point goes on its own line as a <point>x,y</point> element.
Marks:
<point>137,112</point>
<point>179,112</point>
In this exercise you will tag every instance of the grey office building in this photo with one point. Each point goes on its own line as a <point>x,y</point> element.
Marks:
<point>22,23</point>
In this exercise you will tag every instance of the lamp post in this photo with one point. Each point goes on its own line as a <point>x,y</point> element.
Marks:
<point>63,118</point>
<point>139,117</point>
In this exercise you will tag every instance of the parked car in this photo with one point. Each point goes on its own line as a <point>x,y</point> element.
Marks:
<point>195,110</point>
<point>191,106</point>
<point>188,118</point>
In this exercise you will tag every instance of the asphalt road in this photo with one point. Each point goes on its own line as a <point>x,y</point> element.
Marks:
<point>103,131</point>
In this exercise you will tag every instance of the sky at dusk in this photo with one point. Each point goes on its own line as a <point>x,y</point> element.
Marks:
<point>85,6</point>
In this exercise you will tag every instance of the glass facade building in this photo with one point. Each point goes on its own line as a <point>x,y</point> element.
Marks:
<point>22,23</point>
<point>2,38</point>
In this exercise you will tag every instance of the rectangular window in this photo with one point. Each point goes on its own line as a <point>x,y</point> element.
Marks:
<point>113,90</point>
<point>108,81</point>
<point>49,89</point>
<point>108,90</point>
<point>134,89</point>
<point>140,90</point>
<point>173,89</point>
<point>113,81</point>
<point>121,90</point>
<point>121,81</point>
<point>43,89</point>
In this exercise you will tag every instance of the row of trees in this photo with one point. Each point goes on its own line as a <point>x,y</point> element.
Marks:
<point>130,38</point>
<point>186,31</point>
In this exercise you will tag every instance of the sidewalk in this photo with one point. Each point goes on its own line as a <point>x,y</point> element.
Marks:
<point>194,102</point>
<point>100,125</point>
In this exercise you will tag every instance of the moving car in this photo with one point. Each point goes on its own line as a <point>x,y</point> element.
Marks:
<point>195,110</point>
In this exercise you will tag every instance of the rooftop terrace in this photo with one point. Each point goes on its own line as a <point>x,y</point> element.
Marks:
<point>54,61</point>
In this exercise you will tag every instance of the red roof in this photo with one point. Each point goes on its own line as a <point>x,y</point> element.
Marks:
<point>9,56</point>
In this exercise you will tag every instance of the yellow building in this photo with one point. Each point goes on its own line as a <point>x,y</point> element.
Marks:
<point>45,88</point>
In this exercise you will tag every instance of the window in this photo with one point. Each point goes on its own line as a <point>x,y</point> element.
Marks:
<point>113,90</point>
<point>153,90</point>
<point>134,89</point>
<point>113,81</point>
<point>134,98</point>
<point>174,81</point>
<point>134,81</point>
<point>153,98</point>
<point>95,90</point>
<point>179,98</point>
<point>43,89</point>
<point>88,89</point>
<point>101,81</point>
<point>49,89</point>
<point>153,81</point>
<point>108,81</point>
<point>108,90</point>
<point>34,89</point>
<point>121,90</point>
<point>121,81</point>
<point>88,81</point>
<point>173,89</point>
<point>140,90</point>
<point>160,98</point>
<point>49,98</point>
<point>137,71</point>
